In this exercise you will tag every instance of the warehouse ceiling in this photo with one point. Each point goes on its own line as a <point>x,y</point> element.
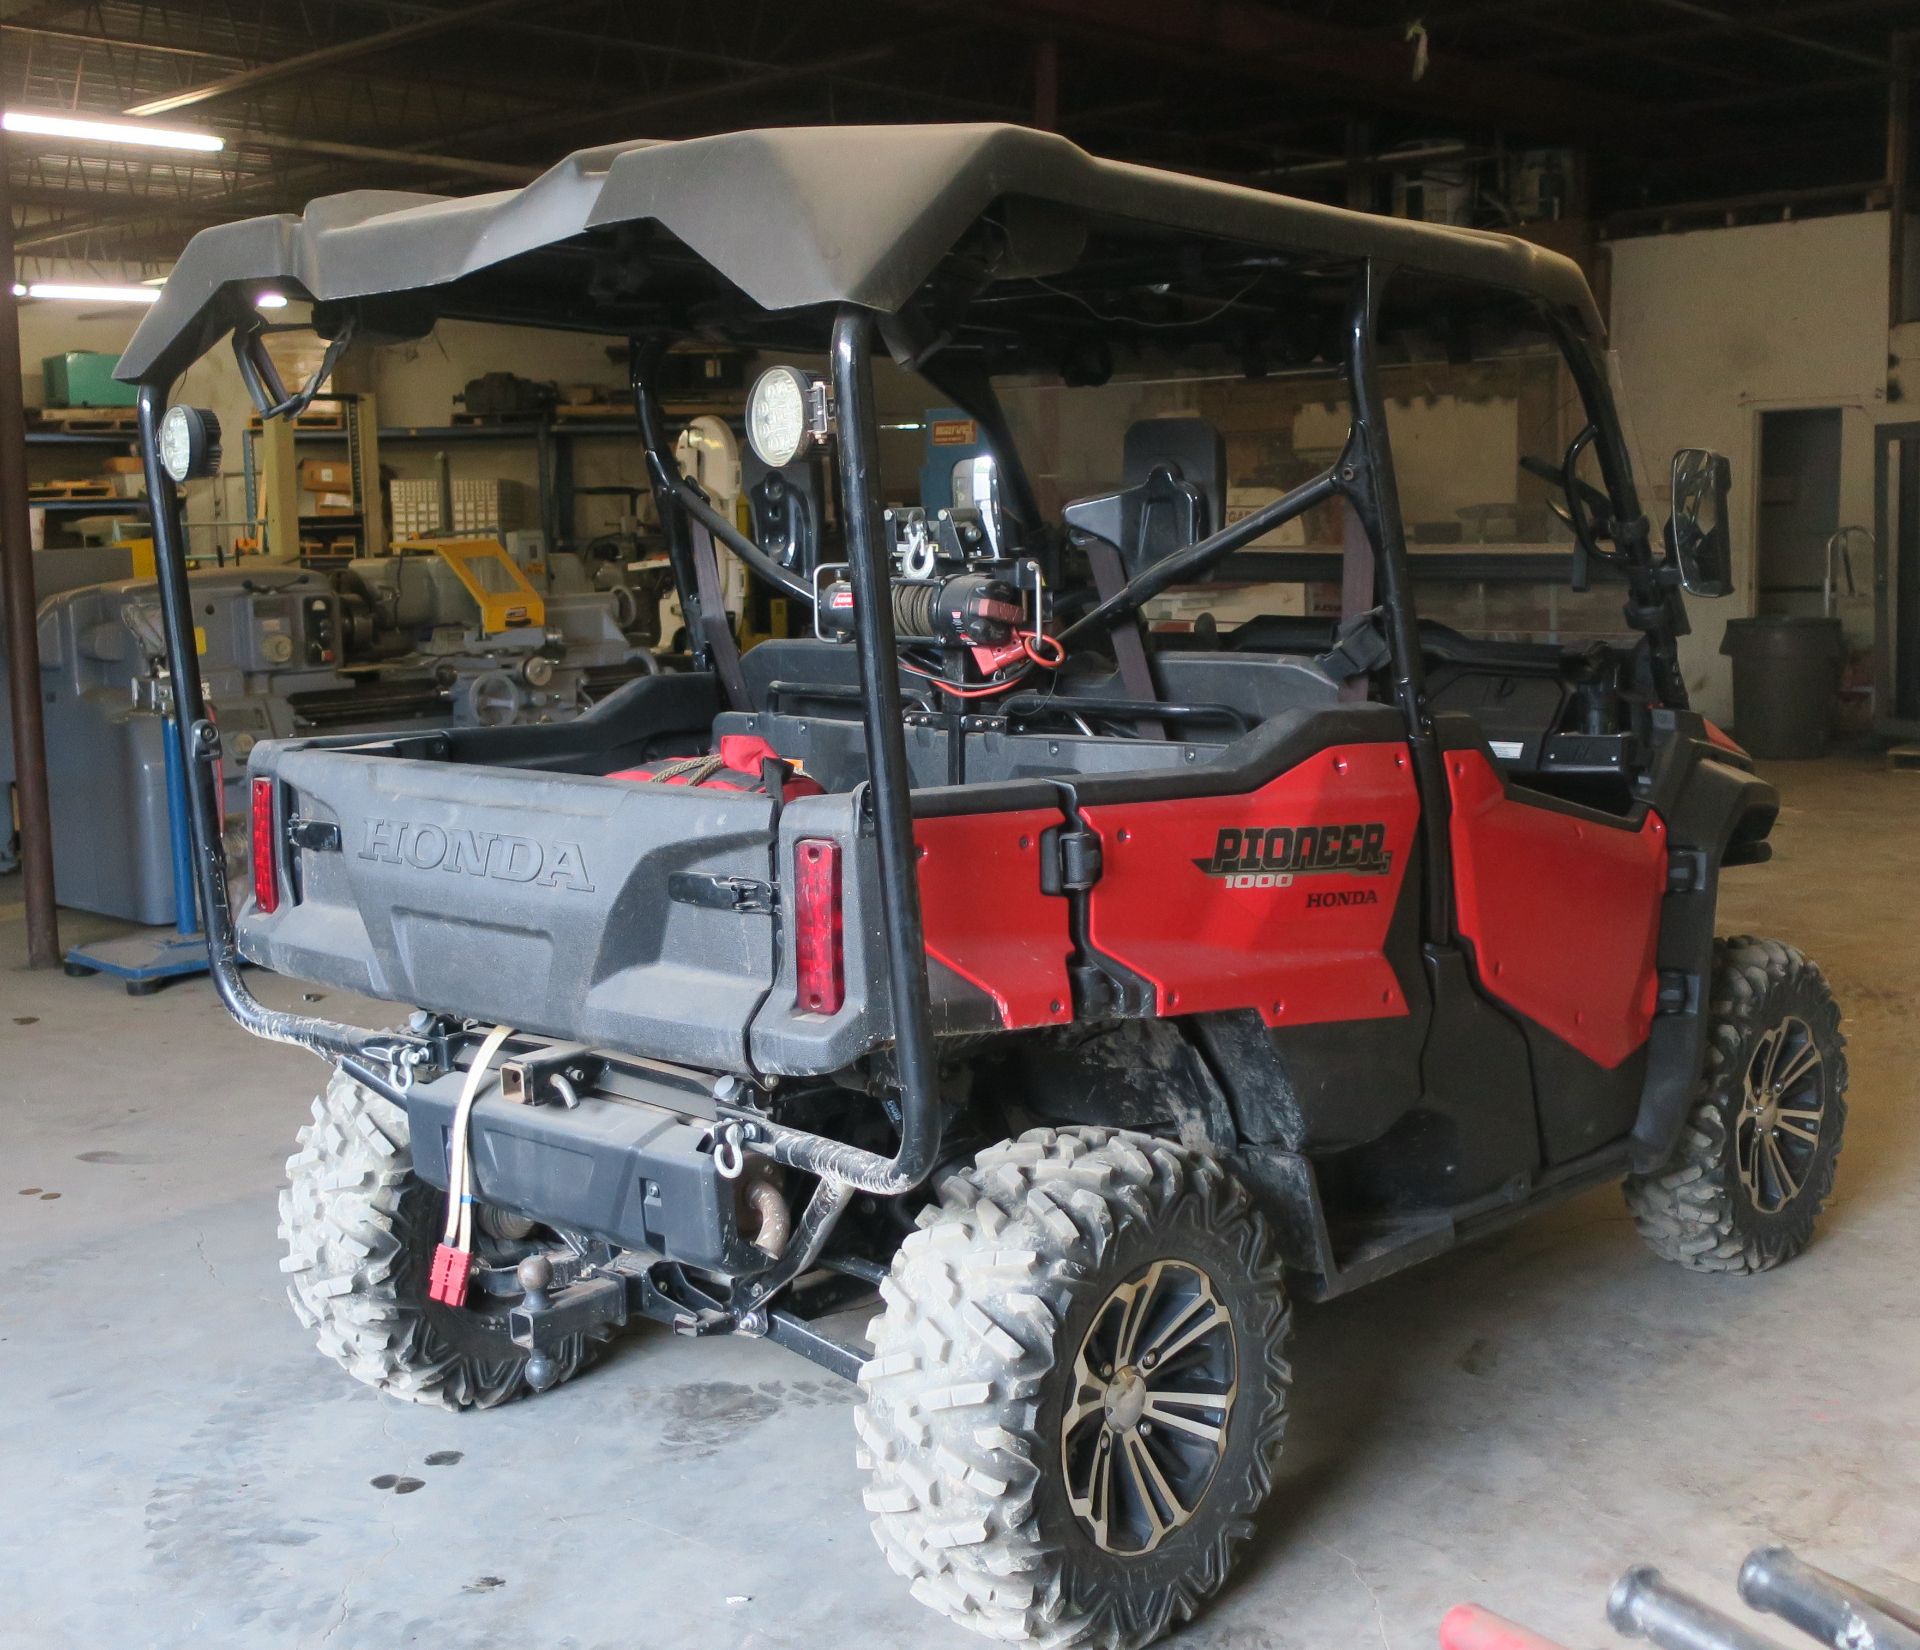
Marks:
<point>1667,101</point>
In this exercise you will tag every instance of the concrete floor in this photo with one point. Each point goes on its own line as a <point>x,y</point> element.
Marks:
<point>1514,1423</point>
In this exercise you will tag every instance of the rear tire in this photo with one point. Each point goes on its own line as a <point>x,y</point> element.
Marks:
<point>360,1229</point>
<point>994,1404</point>
<point>1755,1162</point>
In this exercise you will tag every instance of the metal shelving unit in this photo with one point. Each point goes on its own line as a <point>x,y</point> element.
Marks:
<point>99,441</point>
<point>90,506</point>
<point>552,439</point>
<point>78,438</point>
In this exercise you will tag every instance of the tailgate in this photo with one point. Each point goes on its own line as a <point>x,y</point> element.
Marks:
<point>531,899</point>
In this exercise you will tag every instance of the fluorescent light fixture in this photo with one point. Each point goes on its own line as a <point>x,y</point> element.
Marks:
<point>109,131</point>
<point>84,293</point>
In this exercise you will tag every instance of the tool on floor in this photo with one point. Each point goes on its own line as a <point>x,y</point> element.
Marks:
<point>1835,1612</point>
<point>1644,1605</point>
<point>1469,1627</point>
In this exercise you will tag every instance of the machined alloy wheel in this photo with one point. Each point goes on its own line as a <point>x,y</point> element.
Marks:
<point>1755,1161</point>
<point>1154,1385</point>
<point>1777,1134</point>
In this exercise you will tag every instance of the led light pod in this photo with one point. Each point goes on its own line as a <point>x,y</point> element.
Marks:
<point>190,443</point>
<point>786,414</point>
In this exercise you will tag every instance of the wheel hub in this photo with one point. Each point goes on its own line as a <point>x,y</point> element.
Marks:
<point>1146,1424</point>
<point>1125,1400</point>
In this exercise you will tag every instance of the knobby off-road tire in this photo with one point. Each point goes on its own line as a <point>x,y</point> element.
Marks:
<point>1756,1159</point>
<point>1014,1288</point>
<point>360,1229</point>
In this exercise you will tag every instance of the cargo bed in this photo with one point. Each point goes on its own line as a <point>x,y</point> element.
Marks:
<point>503,875</point>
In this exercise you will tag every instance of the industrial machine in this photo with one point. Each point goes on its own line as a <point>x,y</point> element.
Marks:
<point>447,632</point>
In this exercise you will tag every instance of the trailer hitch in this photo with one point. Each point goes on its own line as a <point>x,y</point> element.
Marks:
<point>543,1321</point>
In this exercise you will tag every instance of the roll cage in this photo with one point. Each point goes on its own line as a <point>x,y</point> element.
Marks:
<point>935,323</point>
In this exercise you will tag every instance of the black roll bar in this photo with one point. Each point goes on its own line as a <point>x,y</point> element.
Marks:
<point>360,1049</point>
<point>1367,480</point>
<point>889,792</point>
<point>387,1060</point>
<point>1654,605</point>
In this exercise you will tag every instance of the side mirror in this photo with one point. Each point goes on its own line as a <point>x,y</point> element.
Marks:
<point>1699,534</point>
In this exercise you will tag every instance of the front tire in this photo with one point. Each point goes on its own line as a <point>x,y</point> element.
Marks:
<point>1078,1389</point>
<point>360,1229</point>
<point>1755,1162</point>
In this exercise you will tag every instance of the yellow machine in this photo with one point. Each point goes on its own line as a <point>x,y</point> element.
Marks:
<point>490,576</point>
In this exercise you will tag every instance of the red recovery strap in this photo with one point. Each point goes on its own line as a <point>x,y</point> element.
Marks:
<point>740,764</point>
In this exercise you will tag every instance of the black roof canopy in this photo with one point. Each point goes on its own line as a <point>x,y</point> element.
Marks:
<point>751,233</point>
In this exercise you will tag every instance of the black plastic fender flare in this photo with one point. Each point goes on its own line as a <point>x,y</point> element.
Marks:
<point>1716,814</point>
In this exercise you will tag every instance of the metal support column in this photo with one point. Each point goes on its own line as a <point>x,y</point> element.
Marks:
<point>368,499</point>
<point>279,490</point>
<point>23,641</point>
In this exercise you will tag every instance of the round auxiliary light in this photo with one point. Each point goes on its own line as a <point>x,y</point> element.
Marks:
<point>784,415</point>
<point>190,443</point>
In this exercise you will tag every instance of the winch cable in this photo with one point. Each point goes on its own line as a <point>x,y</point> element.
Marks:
<point>453,1260</point>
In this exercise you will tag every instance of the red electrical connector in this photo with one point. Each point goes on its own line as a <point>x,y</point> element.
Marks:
<point>448,1284</point>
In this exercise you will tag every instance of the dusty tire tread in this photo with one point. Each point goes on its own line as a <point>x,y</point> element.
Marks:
<point>982,1288</point>
<point>1687,1211</point>
<point>354,1220</point>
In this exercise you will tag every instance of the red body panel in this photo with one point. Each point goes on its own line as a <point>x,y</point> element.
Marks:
<point>1563,913</point>
<point>1719,736</point>
<point>1244,901</point>
<point>985,916</point>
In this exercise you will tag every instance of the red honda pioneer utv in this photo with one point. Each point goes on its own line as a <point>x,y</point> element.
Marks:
<point>1085,961</point>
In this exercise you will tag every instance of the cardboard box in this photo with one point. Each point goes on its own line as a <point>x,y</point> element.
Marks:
<point>121,466</point>
<point>1243,501</point>
<point>326,475</point>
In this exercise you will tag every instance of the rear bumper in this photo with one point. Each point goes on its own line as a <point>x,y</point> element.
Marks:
<point>635,1171</point>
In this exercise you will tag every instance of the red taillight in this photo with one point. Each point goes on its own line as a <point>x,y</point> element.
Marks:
<point>818,941</point>
<point>266,868</point>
